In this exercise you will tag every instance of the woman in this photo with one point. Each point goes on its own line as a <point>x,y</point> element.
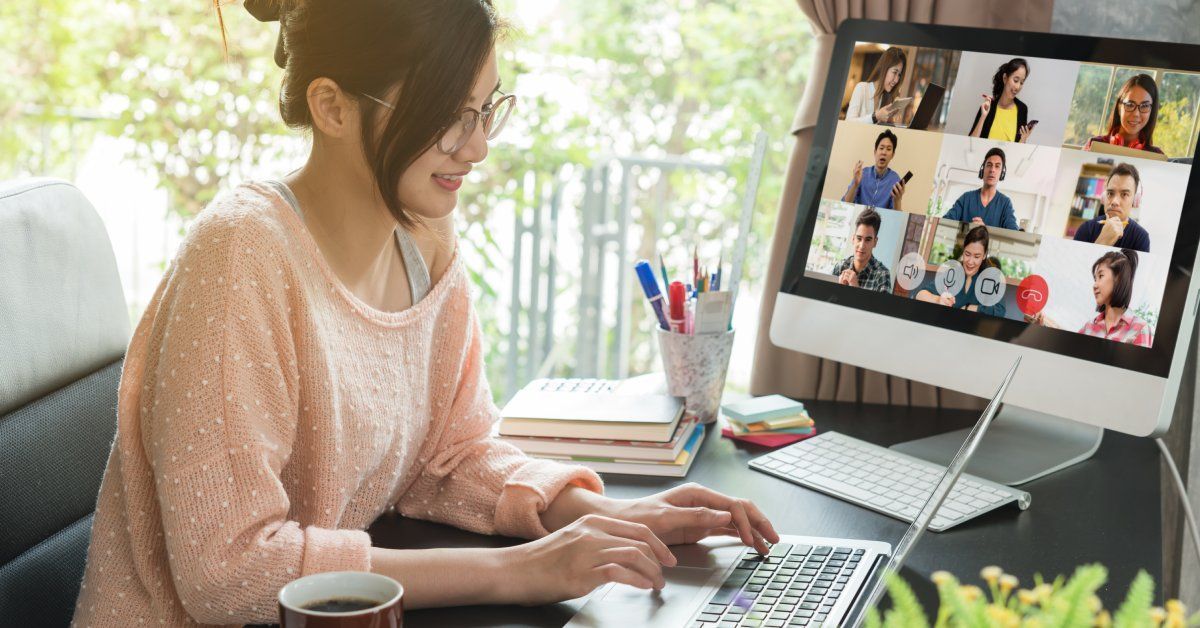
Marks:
<point>871,101</point>
<point>1001,115</point>
<point>974,258</point>
<point>312,360</point>
<point>1112,287</point>
<point>1133,117</point>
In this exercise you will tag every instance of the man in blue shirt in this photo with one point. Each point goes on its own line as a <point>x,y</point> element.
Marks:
<point>1113,226</point>
<point>987,206</point>
<point>879,186</point>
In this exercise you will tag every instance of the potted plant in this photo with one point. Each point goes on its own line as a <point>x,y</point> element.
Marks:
<point>1063,602</point>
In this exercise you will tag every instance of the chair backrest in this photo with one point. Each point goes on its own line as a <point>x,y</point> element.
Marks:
<point>64,327</point>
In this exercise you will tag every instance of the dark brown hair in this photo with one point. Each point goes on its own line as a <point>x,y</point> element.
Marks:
<point>434,49</point>
<point>1003,72</point>
<point>978,234</point>
<point>1126,170</point>
<point>890,57</point>
<point>1123,265</point>
<point>1146,82</point>
<point>870,218</point>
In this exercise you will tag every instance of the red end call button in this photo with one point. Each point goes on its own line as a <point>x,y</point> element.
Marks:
<point>1032,294</point>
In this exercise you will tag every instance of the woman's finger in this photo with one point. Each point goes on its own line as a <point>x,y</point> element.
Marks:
<point>697,517</point>
<point>761,523</point>
<point>613,572</point>
<point>638,532</point>
<point>633,559</point>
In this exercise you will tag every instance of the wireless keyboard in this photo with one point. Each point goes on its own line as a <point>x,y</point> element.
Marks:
<point>885,481</point>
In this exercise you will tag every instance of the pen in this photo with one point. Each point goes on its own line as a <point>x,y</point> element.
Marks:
<point>717,281</point>
<point>696,267</point>
<point>663,266</point>
<point>650,287</point>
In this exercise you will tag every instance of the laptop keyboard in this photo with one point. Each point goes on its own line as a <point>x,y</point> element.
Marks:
<point>792,586</point>
<point>578,385</point>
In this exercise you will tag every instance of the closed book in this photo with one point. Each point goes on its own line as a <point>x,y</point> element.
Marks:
<point>676,468</point>
<point>607,448</point>
<point>758,409</point>
<point>591,415</point>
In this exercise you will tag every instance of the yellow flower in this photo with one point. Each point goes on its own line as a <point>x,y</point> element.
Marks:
<point>991,574</point>
<point>1043,591</point>
<point>1095,604</point>
<point>1027,597</point>
<point>1175,607</point>
<point>941,577</point>
<point>1103,619</point>
<point>1158,615</point>
<point>971,592</point>
<point>1001,616</point>
<point>1008,582</point>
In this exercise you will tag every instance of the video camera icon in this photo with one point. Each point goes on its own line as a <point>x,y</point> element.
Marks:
<point>990,286</point>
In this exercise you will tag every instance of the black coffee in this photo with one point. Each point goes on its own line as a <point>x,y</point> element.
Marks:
<point>341,605</point>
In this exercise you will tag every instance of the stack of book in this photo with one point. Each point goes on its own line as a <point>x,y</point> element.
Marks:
<point>771,421</point>
<point>609,431</point>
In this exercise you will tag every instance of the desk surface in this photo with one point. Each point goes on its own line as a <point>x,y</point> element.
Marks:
<point>1105,509</point>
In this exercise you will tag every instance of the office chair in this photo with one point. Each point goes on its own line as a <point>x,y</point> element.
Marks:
<point>64,328</point>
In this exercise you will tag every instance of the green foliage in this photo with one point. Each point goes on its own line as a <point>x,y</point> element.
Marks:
<point>688,77</point>
<point>1065,603</point>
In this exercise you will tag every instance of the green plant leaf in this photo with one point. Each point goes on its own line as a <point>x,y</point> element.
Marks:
<point>1135,610</point>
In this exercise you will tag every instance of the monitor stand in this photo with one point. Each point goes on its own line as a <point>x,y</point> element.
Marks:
<point>1021,445</point>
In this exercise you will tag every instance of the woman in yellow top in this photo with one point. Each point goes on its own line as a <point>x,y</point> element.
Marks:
<point>1002,116</point>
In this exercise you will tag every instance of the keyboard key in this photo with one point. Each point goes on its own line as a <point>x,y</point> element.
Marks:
<point>709,617</point>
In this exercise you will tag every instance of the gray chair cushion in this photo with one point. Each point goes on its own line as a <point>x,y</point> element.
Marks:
<point>62,310</point>
<point>64,328</point>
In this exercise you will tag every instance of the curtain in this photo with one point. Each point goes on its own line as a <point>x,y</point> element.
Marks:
<point>809,377</point>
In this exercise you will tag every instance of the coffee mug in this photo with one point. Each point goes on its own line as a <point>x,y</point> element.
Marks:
<point>341,599</point>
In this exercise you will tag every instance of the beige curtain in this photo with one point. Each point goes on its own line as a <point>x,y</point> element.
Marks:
<point>798,375</point>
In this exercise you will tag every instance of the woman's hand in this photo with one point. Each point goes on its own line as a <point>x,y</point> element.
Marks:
<point>1023,133</point>
<point>946,299</point>
<point>689,513</point>
<point>986,106</point>
<point>884,113</point>
<point>589,552</point>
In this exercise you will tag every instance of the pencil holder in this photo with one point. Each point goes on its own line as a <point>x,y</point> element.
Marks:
<point>696,367</point>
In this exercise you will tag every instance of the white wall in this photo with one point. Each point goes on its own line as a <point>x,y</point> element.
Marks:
<point>1029,181</point>
<point>1047,92</point>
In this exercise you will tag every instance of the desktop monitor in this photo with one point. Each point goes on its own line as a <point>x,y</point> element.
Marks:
<point>1049,212</point>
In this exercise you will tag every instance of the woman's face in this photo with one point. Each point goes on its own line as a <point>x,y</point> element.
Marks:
<point>972,258</point>
<point>892,77</point>
<point>1102,284</point>
<point>1015,81</point>
<point>1132,122</point>
<point>429,187</point>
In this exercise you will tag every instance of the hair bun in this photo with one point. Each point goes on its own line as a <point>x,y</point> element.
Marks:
<point>270,11</point>
<point>265,10</point>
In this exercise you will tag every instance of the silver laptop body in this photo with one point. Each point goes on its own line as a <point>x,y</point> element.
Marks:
<point>804,581</point>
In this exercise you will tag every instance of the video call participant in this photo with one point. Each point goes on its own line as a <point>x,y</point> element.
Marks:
<point>1002,116</point>
<point>987,205</point>
<point>973,259</point>
<point>862,269</point>
<point>1114,227</point>
<point>1134,115</point>
<point>878,186</point>
<point>1112,286</point>
<point>872,99</point>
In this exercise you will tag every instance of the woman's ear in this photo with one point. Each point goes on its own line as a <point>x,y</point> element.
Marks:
<point>334,113</point>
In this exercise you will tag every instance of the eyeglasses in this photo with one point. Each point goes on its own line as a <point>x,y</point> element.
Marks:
<point>458,133</point>
<point>1129,106</point>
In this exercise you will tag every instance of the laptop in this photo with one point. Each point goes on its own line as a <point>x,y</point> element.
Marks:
<point>1125,151</point>
<point>928,107</point>
<point>803,581</point>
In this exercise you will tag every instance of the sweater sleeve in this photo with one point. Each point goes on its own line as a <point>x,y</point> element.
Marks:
<point>218,419</point>
<point>860,105</point>
<point>471,480</point>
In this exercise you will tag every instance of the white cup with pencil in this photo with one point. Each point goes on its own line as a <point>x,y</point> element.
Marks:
<point>695,335</point>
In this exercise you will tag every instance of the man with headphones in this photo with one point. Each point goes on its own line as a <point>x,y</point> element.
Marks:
<point>987,206</point>
<point>1113,226</point>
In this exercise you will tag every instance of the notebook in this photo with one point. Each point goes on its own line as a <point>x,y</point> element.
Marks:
<point>608,448</point>
<point>589,409</point>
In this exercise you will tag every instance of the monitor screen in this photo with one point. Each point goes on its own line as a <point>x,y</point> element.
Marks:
<point>1036,200</point>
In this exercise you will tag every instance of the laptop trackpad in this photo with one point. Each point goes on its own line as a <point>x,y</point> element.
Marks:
<point>687,587</point>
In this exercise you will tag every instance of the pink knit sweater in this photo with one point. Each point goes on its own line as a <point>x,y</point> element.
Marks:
<point>266,416</point>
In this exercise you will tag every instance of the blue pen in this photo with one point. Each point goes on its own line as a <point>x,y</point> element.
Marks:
<point>653,294</point>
